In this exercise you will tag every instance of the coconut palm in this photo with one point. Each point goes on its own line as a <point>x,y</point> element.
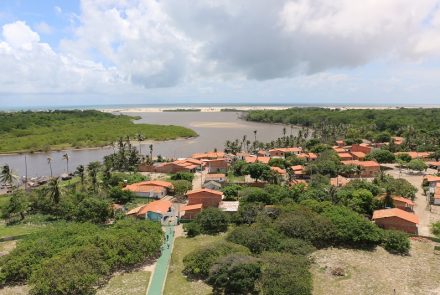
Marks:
<point>80,172</point>
<point>151,152</point>
<point>7,176</point>
<point>66,157</point>
<point>53,189</point>
<point>140,138</point>
<point>255,135</point>
<point>49,162</point>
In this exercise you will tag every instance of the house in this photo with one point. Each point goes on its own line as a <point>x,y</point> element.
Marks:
<point>308,156</point>
<point>340,143</point>
<point>433,165</point>
<point>156,189</point>
<point>345,156</point>
<point>396,218</point>
<point>436,196</point>
<point>181,165</point>
<point>358,155</point>
<point>363,147</point>
<point>397,140</point>
<point>191,211</point>
<point>255,159</point>
<point>339,181</point>
<point>432,181</point>
<point>416,155</point>
<point>282,152</point>
<point>279,170</point>
<point>213,185</point>
<point>208,156</point>
<point>339,149</point>
<point>262,153</point>
<point>368,168</point>
<point>218,177</point>
<point>229,206</point>
<point>298,171</point>
<point>206,197</point>
<point>217,165</point>
<point>400,202</point>
<point>158,210</point>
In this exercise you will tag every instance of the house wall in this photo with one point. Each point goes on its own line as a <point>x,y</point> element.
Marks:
<point>191,214</point>
<point>397,223</point>
<point>205,198</point>
<point>369,171</point>
<point>360,148</point>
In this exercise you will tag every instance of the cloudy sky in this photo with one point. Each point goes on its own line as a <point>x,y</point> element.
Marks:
<point>55,52</point>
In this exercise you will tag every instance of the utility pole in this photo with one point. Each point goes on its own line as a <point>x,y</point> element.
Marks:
<point>26,172</point>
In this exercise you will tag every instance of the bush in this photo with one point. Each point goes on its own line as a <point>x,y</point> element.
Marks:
<point>234,274</point>
<point>73,258</point>
<point>212,221</point>
<point>436,229</point>
<point>94,210</point>
<point>120,196</point>
<point>192,229</point>
<point>381,156</point>
<point>231,192</point>
<point>198,263</point>
<point>285,274</point>
<point>396,242</point>
<point>295,247</point>
<point>183,176</point>
<point>307,225</point>
<point>255,237</point>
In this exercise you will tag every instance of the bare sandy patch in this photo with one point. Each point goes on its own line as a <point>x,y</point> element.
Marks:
<point>377,272</point>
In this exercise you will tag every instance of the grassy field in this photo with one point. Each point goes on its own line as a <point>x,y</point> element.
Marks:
<point>43,131</point>
<point>132,283</point>
<point>377,272</point>
<point>176,283</point>
<point>16,230</point>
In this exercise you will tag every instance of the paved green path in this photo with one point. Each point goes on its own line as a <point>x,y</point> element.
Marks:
<point>159,277</point>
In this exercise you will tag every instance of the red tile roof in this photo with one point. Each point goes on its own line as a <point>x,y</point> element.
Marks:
<point>159,206</point>
<point>192,207</point>
<point>395,212</point>
<point>205,190</point>
<point>278,170</point>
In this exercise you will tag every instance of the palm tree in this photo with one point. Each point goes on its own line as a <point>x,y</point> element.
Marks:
<point>151,152</point>
<point>7,176</point>
<point>140,138</point>
<point>80,172</point>
<point>255,135</point>
<point>53,189</point>
<point>66,157</point>
<point>93,169</point>
<point>49,161</point>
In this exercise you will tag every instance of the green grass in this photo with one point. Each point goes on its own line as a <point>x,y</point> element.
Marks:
<point>4,201</point>
<point>132,283</point>
<point>16,230</point>
<point>43,131</point>
<point>176,283</point>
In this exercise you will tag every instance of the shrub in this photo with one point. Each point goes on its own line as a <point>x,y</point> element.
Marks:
<point>285,274</point>
<point>234,274</point>
<point>192,229</point>
<point>94,210</point>
<point>212,221</point>
<point>436,229</point>
<point>305,224</point>
<point>183,176</point>
<point>255,237</point>
<point>396,242</point>
<point>198,263</point>
<point>231,192</point>
<point>295,247</point>
<point>381,156</point>
<point>120,196</point>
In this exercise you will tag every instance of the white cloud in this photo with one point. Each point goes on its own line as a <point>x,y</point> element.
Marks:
<point>44,28</point>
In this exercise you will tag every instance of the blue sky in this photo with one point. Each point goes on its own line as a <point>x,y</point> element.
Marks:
<point>251,51</point>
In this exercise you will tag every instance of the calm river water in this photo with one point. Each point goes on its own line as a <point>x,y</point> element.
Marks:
<point>214,128</point>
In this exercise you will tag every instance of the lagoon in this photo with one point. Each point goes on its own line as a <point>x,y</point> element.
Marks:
<point>214,129</point>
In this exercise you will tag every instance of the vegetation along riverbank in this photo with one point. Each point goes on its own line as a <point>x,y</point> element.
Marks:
<point>55,130</point>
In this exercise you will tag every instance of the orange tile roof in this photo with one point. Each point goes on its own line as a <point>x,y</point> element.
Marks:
<point>159,206</point>
<point>339,181</point>
<point>345,155</point>
<point>432,178</point>
<point>403,200</point>
<point>359,155</point>
<point>287,150</point>
<point>297,167</point>
<point>339,150</point>
<point>415,155</point>
<point>370,164</point>
<point>162,183</point>
<point>278,170</point>
<point>263,160</point>
<point>205,190</point>
<point>395,212</point>
<point>192,207</point>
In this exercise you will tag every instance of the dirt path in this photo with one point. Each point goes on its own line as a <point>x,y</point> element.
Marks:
<point>197,181</point>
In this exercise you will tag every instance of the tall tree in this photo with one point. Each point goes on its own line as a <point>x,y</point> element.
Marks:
<point>66,157</point>
<point>49,162</point>
<point>140,138</point>
<point>53,189</point>
<point>80,172</point>
<point>151,152</point>
<point>92,170</point>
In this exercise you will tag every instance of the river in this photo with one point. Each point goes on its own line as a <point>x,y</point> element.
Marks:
<point>214,128</point>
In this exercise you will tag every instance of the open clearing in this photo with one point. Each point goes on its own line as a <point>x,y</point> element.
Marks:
<point>176,283</point>
<point>132,283</point>
<point>377,272</point>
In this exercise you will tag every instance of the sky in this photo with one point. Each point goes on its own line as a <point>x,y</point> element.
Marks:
<point>92,52</point>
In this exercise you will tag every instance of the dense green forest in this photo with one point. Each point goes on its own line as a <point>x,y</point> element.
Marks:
<point>42,131</point>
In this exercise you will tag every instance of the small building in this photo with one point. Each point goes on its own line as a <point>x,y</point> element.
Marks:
<point>229,206</point>
<point>191,211</point>
<point>282,152</point>
<point>279,170</point>
<point>158,210</point>
<point>213,185</point>
<point>396,218</point>
<point>217,165</point>
<point>208,156</point>
<point>436,196</point>
<point>339,181</point>
<point>358,155</point>
<point>217,177</point>
<point>155,189</point>
<point>363,147</point>
<point>206,197</point>
<point>345,156</point>
<point>308,156</point>
<point>368,168</point>
<point>340,143</point>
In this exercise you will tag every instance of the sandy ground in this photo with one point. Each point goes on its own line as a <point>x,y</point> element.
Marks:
<point>377,272</point>
<point>427,214</point>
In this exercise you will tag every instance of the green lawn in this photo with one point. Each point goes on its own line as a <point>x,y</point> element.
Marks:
<point>176,283</point>
<point>133,283</point>
<point>43,131</point>
<point>16,230</point>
